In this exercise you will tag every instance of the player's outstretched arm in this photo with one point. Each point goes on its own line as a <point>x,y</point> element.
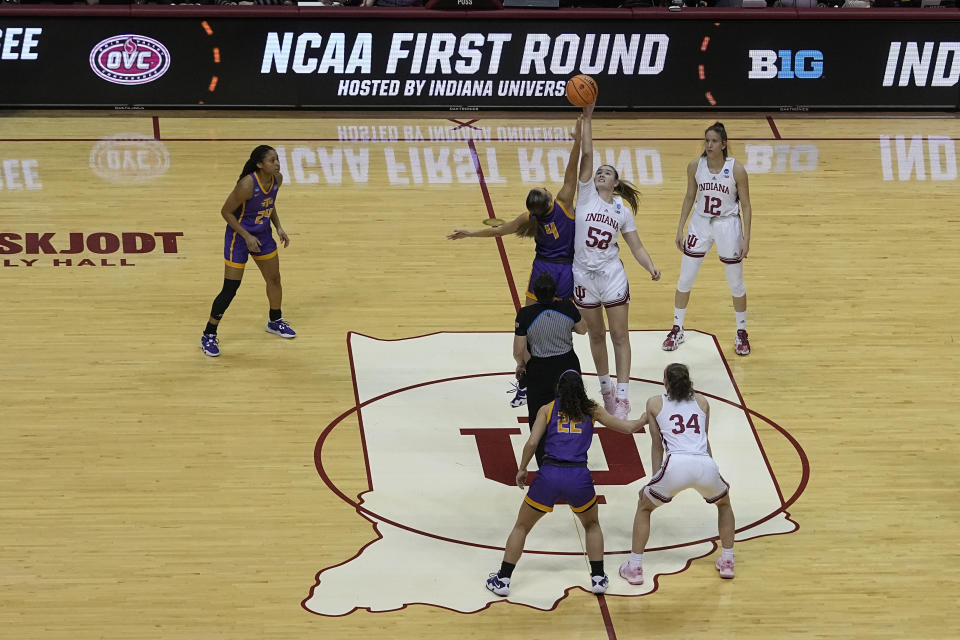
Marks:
<point>569,190</point>
<point>586,145</point>
<point>505,229</point>
<point>605,418</point>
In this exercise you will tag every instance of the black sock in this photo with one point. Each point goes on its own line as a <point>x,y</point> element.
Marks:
<point>506,569</point>
<point>596,568</point>
<point>275,315</point>
<point>211,328</point>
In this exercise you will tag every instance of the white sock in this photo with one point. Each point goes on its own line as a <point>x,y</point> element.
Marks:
<point>726,554</point>
<point>678,316</point>
<point>636,559</point>
<point>741,319</point>
<point>623,389</point>
<point>605,383</point>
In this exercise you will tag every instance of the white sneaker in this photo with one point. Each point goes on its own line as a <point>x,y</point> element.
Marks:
<point>500,586</point>
<point>622,408</point>
<point>725,567</point>
<point>633,575</point>
<point>599,584</point>
<point>609,400</point>
<point>674,339</point>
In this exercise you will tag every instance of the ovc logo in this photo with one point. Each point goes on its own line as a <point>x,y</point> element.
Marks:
<point>129,59</point>
<point>785,63</point>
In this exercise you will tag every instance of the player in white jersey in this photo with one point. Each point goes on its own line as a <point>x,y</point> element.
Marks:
<point>599,279</point>
<point>719,186</point>
<point>678,422</point>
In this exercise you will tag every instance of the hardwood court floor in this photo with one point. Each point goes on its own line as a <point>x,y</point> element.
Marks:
<point>149,492</point>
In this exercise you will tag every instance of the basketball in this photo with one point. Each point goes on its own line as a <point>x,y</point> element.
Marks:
<point>581,90</point>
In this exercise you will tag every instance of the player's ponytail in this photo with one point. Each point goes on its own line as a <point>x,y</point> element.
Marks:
<point>679,385</point>
<point>574,403</point>
<point>257,156</point>
<point>629,193</point>
<point>720,130</point>
<point>625,190</point>
<point>538,205</point>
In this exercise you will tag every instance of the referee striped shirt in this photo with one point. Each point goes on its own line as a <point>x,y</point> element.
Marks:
<point>548,327</point>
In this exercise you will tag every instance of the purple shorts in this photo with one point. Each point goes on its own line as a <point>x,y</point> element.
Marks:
<point>235,250</point>
<point>572,484</point>
<point>562,273</point>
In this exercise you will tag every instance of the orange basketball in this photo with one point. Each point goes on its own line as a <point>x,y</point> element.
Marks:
<point>581,90</point>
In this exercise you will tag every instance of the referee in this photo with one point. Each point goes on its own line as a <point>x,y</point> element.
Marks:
<point>543,345</point>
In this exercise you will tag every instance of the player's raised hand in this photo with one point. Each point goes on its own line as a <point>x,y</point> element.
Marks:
<point>578,128</point>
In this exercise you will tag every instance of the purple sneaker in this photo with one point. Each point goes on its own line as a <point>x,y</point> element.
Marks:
<point>210,345</point>
<point>281,328</point>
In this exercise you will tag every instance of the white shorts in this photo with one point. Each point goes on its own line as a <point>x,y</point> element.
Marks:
<point>605,286</point>
<point>702,232</point>
<point>686,471</point>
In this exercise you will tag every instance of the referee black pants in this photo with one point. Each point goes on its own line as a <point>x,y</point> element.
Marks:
<point>541,378</point>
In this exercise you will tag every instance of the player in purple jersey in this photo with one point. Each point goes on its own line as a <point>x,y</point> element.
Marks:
<point>566,425</point>
<point>550,221</point>
<point>249,210</point>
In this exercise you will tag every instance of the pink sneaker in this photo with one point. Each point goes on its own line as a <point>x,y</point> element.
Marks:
<point>674,339</point>
<point>609,400</point>
<point>725,567</point>
<point>630,574</point>
<point>622,408</point>
<point>743,343</point>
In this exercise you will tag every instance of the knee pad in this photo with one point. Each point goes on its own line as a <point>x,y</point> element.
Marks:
<point>224,298</point>
<point>688,273</point>
<point>735,279</point>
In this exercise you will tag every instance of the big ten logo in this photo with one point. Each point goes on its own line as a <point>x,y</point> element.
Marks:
<point>19,43</point>
<point>19,174</point>
<point>785,63</point>
<point>781,158</point>
<point>915,64</point>
<point>914,156</point>
<point>639,166</point>
<point>129,158</point>
<point>307,165</point>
